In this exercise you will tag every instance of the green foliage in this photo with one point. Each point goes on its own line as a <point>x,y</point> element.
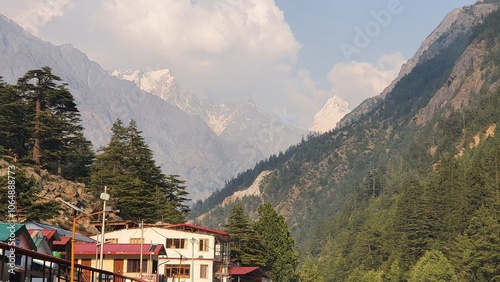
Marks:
<point>55,125</point>
<point>309,272</point>
<point>477,251</point>
<point>138,187</point>
<point>13,122</point>
<point>43,210</point>
<point>246,246</point>
<point>377,195</point>
<point>281,258</point>
<point>359,275</point>
<point>433,267</point>
<point>28,205</point>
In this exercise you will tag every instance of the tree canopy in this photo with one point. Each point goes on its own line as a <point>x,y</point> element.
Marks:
<point>138,187</point>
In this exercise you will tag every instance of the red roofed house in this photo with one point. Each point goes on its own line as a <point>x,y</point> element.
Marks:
<point>193,253</point>
<point>121,258</point>
<point>248,274</point>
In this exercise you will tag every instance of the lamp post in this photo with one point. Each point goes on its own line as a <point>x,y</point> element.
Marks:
<point>73,240</point>
<point>192,240</point>
<point>104,197</point>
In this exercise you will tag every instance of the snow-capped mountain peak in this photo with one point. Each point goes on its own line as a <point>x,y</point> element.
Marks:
<point>161,82</point>
<point>332,112</point>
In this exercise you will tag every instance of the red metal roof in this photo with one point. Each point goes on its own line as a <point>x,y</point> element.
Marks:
<point>45,233</point>
<point>242,270</point>
<point>120,249</point>
<point>64,240</point>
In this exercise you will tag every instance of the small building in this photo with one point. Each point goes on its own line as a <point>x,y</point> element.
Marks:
<point>248,274</point>
<point>17,235</point>
<point>62,246</point>
<point>123,259</point>
<point>193,253</point>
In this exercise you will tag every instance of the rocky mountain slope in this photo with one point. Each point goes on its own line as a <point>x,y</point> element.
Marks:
<point>409,125</point>
<point>244,125</point>
<point>183,144</point>
<point>456,23</point>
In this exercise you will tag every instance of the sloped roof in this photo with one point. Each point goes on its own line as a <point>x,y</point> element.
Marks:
<point>245,270</point>
<point>18,229</point>
<point>120,249</point>
<point>64,240</point>
<point>60,231</point>
<point>49,234</point>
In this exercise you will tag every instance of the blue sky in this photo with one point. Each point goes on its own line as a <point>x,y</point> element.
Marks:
<point>290,56</point>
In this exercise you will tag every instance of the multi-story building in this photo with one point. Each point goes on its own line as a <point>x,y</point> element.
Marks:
<point>193,253</point>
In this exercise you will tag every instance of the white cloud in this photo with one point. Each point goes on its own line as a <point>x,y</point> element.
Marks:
<point>229,48</point>
<point>357,81</point>
<point>33,14</point>
<point>354,82</point>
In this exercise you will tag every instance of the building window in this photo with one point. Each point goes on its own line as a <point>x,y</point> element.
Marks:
<point>177,271</point>
<point>136,240</point>
<point>176,243</point>
<point>112,240</point>
<point>204,271</point>
<point>203,245</point>
<point>133,265</point>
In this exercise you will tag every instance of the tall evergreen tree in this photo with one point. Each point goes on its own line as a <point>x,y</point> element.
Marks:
<point>13,122</point>
<point>56,130</point>
<point>177,195</point>
<point>246,246</point>
<point>138,186</point>
<point>281,258</point>
<point>433,267</point>
<point>477,252</point>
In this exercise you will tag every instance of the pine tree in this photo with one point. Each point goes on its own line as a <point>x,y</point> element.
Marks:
<point>13,122</point>
<point>309,272</point>
<point>141,191</point>
<point>477,251</point>
<point>56,129</point>
<point>281,258</point>
<point>433,267</point>
<point>246,246</point>
<point>177,198</point>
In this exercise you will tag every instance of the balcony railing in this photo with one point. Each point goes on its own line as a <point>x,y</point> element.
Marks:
<point>21,265</point>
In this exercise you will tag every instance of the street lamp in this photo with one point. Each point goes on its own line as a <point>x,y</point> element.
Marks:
<point>73,240</point>
<point>104,197</point>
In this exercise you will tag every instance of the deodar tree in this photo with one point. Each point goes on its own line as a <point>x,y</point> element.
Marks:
<point>58,144</point>
<point>138,187</point>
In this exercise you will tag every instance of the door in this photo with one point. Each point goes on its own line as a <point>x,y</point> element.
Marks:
<point>118,268</point>
<point>86,273</point>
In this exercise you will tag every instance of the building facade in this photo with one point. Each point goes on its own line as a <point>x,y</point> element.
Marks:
<point>193,253</point>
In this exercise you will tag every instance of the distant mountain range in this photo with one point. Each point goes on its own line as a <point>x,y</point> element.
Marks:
<point>244,125</point>
<point>204,142</point>
<point>441,104</point>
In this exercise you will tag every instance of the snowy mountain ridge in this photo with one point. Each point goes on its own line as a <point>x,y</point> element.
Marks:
<point>238,123</point>
<point>332,112</point>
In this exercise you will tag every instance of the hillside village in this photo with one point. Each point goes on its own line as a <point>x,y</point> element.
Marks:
<point>406,188</point>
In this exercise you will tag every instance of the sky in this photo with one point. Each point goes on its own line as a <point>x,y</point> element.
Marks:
<point>289,56</point>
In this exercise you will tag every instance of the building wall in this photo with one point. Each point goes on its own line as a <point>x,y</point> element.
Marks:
<point>153,235</point>
<point>109,260</point>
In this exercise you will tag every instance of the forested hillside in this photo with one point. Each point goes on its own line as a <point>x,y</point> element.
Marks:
<point>45,157</point>
<point>408,191</point>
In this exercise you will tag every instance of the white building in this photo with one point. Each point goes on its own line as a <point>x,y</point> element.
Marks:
<point>193,253</point>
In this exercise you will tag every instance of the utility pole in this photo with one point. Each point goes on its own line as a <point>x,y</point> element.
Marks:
<point>142,245</point>
<point>105,198</point>
<point>193,240</point>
